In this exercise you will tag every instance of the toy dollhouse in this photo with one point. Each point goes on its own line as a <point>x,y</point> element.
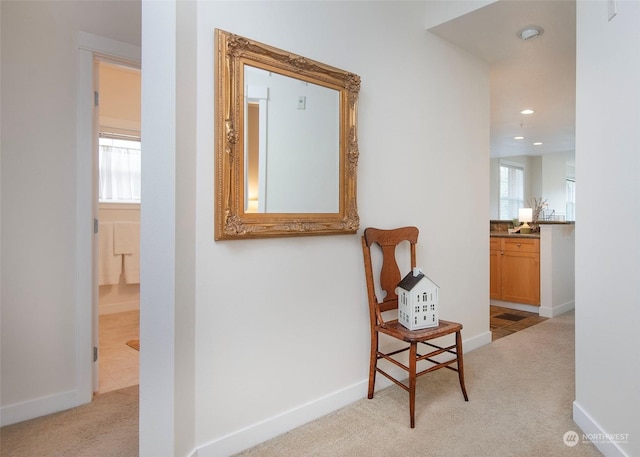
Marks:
<point>417,301</point>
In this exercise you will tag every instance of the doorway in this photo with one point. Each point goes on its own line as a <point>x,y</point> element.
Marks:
<point>118,177</point>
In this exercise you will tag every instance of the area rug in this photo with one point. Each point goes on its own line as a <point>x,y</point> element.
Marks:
<point>135,344</point>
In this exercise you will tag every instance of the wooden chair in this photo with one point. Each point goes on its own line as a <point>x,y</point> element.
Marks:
<point>389,278</point>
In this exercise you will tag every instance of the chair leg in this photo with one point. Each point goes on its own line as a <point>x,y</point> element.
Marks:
<point>412,383</point>
<point>460,364</point>
<point>372,363</point>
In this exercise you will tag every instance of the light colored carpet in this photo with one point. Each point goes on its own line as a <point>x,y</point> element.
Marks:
<point>107,427</point>
<point>521,389</point>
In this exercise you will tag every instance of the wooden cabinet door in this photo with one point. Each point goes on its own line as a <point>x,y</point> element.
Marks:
<point>521,277</point>
<point>495,270</point>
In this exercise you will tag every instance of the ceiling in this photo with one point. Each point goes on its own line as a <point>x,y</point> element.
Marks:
<point>538,73</point>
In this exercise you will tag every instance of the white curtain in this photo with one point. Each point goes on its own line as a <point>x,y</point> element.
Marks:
<point>120,170</point>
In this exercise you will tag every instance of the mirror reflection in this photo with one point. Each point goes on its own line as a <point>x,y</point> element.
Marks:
<point>292,145</point>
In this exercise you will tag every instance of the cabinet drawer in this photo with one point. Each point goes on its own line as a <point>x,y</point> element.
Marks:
<point>494,244</point>
<point>522,245</point>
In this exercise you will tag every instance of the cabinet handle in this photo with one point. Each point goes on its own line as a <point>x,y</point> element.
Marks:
<point>518,244</point>
<point>501,252</point>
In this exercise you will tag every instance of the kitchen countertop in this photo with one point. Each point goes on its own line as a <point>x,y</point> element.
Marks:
<point>513,235</point>
<point>498,228</point>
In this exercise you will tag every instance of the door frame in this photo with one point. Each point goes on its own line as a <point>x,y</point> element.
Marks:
<point>90,48</point>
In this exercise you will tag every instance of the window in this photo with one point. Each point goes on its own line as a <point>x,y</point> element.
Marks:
<point>511,191</point>
<point>571,200</point>
<point>120,170</point>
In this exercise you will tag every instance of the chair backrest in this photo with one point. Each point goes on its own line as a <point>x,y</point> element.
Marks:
<point>389,278</point>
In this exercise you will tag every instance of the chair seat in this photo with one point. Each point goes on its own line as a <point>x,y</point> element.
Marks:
<point>397,330</point>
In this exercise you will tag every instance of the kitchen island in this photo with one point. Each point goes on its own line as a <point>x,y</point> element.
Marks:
<point>533,272</point>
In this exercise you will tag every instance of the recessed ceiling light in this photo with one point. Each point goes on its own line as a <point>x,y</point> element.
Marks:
<point>527,111</point>
<point>529,32</point>
<point>537,143</point>
<point>518,138</point>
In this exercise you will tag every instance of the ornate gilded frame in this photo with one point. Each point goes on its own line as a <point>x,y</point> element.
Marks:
<point>231,220</point>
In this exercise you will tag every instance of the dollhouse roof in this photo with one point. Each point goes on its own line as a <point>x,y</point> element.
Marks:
<point>410,281</point>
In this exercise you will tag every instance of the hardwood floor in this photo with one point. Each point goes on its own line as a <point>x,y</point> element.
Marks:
<point>505,321</point>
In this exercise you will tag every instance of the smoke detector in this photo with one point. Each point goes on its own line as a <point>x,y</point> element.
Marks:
<point>530,32</point>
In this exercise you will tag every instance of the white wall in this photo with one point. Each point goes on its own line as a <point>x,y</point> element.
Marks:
<point>536,178</point>
<point>494,189</point>
<point>557,269</point>
<point>555,171</point>
<point>607,255</point>
<point>40,369</point>
<point>167,267</point>
<point>261,357</point>
<point>119,99</point>
<point>440,11</point>
<point>212,394</point>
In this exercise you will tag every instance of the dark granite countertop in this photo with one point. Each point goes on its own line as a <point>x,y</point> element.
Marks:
<point>498,221</point>
<point>513,235</point>
<point>498,228</point>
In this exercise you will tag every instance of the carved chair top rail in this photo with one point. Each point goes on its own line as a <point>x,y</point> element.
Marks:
<point>389,277</point>
<point>388,240</point>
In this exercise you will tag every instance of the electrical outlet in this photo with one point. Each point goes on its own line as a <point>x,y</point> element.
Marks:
<point>302,102</point>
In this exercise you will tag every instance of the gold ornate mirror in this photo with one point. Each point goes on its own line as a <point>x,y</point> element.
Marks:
<point>286,146</point>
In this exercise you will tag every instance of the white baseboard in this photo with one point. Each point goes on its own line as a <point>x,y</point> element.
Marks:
<point>518,306</point>
<point>557,310</point>
<point>37,407</point>
<point>476,342</point>
<point>269,428</point>
<point>253,435</point>
<point>112,308</point>
<point>592,431</point>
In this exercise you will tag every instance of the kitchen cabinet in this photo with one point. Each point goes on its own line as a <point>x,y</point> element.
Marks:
<point>515,269</point>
